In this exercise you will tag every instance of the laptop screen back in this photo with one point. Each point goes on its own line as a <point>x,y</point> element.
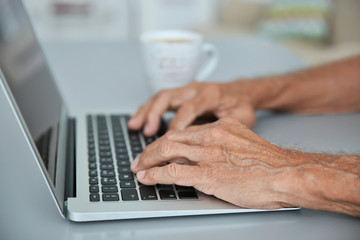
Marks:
<point>29,78</point>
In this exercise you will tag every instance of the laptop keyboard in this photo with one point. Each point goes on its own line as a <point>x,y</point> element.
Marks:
<point>111,147</point>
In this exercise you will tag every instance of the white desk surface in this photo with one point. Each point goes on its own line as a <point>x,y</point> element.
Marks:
<point>110,75</point>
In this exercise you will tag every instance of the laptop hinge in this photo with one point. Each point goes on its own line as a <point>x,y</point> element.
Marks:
<point>70,177</point>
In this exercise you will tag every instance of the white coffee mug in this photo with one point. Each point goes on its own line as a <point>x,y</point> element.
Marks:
<point>174,58</point>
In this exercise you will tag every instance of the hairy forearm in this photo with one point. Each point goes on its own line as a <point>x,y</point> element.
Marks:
<point>329,88</point>
<point>324,182</point>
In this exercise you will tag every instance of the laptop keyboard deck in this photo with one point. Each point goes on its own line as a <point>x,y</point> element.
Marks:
<point>111,145</point>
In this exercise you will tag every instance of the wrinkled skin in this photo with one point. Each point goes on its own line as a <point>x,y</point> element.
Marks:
<point>228,160</point>
<point>192,101</point>
<point>224,159</point>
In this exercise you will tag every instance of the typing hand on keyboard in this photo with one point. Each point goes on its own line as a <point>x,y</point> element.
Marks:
<point>228,160</point>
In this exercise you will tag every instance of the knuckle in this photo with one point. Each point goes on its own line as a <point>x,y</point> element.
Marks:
<point>211,89</point>
<point>152,175</point>
<point>173,170</point>
<point>189,108</point>
<point>169,134</point>
<point>217,132</point>
<point>166,147</point>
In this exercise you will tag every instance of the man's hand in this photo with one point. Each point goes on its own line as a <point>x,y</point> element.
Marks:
<point>229,161</point>
<point>193,101</point>
<point>224,159</point>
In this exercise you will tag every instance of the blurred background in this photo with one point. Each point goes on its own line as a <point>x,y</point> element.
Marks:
<point>317,31</point>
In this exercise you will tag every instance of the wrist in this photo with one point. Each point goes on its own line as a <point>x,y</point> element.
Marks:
<point>289,185</point>
<point>261,93</point>
<point>319,181</point>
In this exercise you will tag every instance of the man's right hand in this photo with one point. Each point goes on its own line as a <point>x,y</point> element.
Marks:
<point>194,100</point>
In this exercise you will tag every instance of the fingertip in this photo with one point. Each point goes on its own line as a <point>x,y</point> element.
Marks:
<point>141,174</point>
<point>151,127</point>
<point>148,130</point>
<point>134,163</point>
<point>134,123</point>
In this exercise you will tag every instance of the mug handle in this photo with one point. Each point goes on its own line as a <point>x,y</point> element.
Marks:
<point>211,54</point>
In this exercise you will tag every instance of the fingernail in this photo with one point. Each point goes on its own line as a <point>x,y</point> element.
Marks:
<point>135,163</point>
<point>140,174</point>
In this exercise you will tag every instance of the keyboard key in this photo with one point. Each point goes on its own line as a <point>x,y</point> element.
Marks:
<point>126,176</point>
<point>103,136</point>
<point>115,118</point>
<point>93,180</point>
<point>110,197</point>
<point>94,189</point>
<point>123,163</point>
<point>106,160</point>
<point>109,189</point>
<point>136,149</point>
<point>104,143</point>
<point>187,195</point>
<point>125,169</point>
<point>129,195</point>
<point>127,184</point>
<point>107,173</point>
<point>105,154</point>
<point>167,195</point>
<point>122,150</point>
<point>122,156</point>
<point>135,143</point>
<point>120,144</point>
<point>92,173</point>
<point>94,197</point>
<point>104,148</point>
<point>91,152</point>
<point>149,140</point>
<point>164,187</point>
<point>118,134</point>
<point>92,159</point>
<point>92,165</point>
<point>184,188</point>
<point>107,167</point>
<point>108,181</point>
<point>148,193</point>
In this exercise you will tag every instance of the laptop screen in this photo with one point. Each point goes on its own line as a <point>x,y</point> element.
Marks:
<point>28,76</point>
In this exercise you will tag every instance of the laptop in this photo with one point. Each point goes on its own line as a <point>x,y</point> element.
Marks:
<point>85,158</point>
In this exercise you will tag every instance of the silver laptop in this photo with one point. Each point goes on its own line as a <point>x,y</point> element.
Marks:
<point>84,158</point>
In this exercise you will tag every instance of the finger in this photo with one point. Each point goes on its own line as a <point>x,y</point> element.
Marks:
<point>166,151</point>
<point>193,135</point>
<point>187,113</point>
<point>173,173</point>
<point>156,110</point>
<point>245,115</point>
<point>138,119</point>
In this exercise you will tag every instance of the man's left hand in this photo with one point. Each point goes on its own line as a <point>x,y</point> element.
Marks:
<point>224,159</point>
